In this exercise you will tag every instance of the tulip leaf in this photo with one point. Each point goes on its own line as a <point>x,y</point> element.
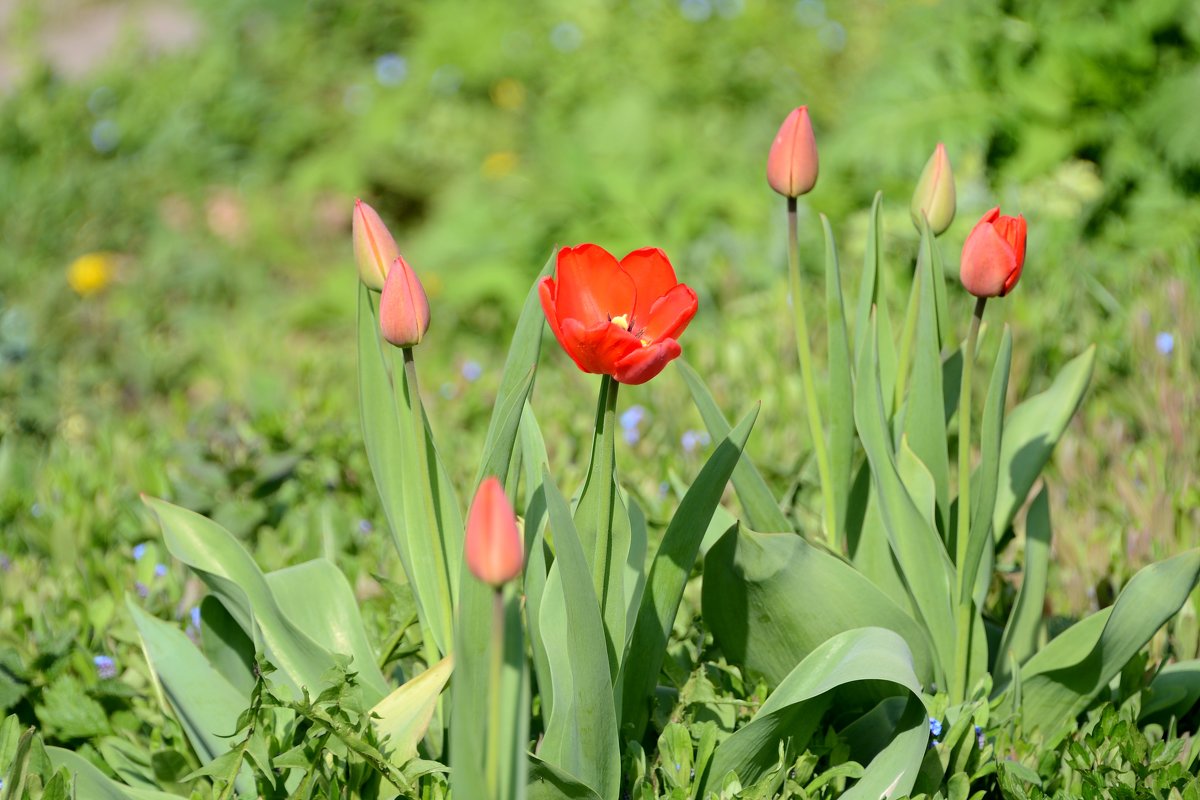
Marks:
<point>841,403</point>
<point>516,381</point>
<point>939,290</point>
<point>1020,636</point>
<point>1061,679</point>
<point>924,411</point>
<point>226,645</point>
<point>919,551</point>
<point>547,782</point>
<point>230,573</point>
<point>857,665</point>
<point>761,509</point>
<point>669,572</point>
<point>581,735</point>
<point>206,705</point>
<point>1030,433</point>
<point>402,717</point>
<point>318,600</point>
<point>772,599</point>
<point>91,783</point>
<point>1173,692</point>
<point>871,553</point>
<point>536,566</point>
<point>872,294</point>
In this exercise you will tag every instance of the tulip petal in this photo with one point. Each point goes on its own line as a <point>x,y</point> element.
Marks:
<point>592,287</point>
<point>598,348</point>
<point>669,316</point>
<point>547,291</point>
<point>492,543</point>
<point>653,276</point>
<point>644,363</point>
<point>987,261</point>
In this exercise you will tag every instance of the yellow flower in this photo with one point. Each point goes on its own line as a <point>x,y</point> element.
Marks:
<point>91,273</point>
<point>499,164</point>
<point>508,94</point>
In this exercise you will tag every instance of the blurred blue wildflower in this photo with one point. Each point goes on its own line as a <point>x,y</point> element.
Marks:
<point>632,417</point>
<point>36,510</point>
<point>139,550</point>
<point>695,10</point>
<point>1165,342</point>
<point>446,79</point>
<point>472,370</point>
<point>142,589</point>
<point>566,37</point>
<point>195,617</point>
<point>105,136</point>
<point>391,69</point>
<point>935,727</point>
<point>365,526</point>
<point>664,489</point>
<point>979,737</point>
<point>106,668</point>
<point>5,564</point>
<point>100,100</point>
<point>691,440</point>
<point>160,570</point>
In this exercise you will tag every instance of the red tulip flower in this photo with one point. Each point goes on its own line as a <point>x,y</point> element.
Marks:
<point>993,255</point>
<point>493,545</point>
<point>792,162</point>
<point>618,318</point>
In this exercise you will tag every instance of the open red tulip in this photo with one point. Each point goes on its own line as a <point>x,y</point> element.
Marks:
<point>618,318</point>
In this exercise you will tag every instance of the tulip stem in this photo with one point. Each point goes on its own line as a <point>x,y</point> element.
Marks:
<point>495,735</point>
<point>418,422</point>
<point>962,655</point>
<point>830,523</point>
<point>604,466</point>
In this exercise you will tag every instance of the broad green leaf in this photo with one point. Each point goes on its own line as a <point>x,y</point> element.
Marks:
<point>872,294</point>
<point>841,402</point>
<point>924,565</point>
<point>581,735</point>
<point>761,508</point>
<point>1030,433</point>
<point>772,599</point>
<point>231,574</point>
<point>536,566</point>
<point>402,717</point>
<point>318,600</point>
<point>548,782</point>
<point>226,645</point>
<point>870,551</point>
<point>918,481</point>
<point>1063,678</point>
<point>1174,692</point>
<point>205,704</point>
<point>668,575</point>
<point>92,784</point>
<point>873,656</point>
<point>516,381</point>
<point>1021,632</point>
<point>635,568</point>
<point>924,411</point>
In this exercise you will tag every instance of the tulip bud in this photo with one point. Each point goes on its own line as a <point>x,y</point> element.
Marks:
<point>374,247</point>
<point>934,195</point>
<point>993,255</point>
<point>493,545</point>
<point>792,164</point>
<point>403,306</point>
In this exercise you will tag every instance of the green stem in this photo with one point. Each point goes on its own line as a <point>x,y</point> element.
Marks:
<point>418,422</point>
<point>605,439</point>
<point>963,640</point>
<point>496,739</point>
<point>907,337</point>
<point>829,522</point>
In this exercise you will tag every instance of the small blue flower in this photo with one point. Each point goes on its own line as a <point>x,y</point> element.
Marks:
<point>5,564</point>
<point>691,440</point>
<point>105,136</point>
<point>566,37</point>
<point>106,668</point>
<point>195,615</point>
<point>1165,342</point>
<point>632,417</point>
<point>365,526</point>
<point>979,737</point>
<point>37,510</point>
<point>471,370</point>
<point>664,489</point>
<point>391,69</point>
<point>160,570</point>
<point>631,435</point>
<point>935,727</point>
<point>139,550</point>
<point>142,589</point>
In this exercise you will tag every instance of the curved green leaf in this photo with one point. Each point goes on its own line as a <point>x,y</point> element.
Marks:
<point>92,784</point>
<point>841,402</point>
<point>1020,636</point>
<point>548,782</point>
<point>1174,691</point>
<point>402,717</point>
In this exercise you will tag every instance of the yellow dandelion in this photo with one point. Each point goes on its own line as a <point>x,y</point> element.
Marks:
<point>508,94</point>
<point>499,164</point>
<point>91,273</point>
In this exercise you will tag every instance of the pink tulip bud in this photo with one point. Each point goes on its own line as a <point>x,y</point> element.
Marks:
<point>403,306</point>
<point>374,247</point>
<point>493,545</point>
<point>792,164</point>
<point>993,255</point>
<point>934,195</point>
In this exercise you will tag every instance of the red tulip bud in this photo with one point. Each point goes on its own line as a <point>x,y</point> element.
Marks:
<point>493,545</point>
<point>993,255</point>
<point>403,306</point>
<point>792,164</point>
<point>374,247</point>
<point>934,195</point>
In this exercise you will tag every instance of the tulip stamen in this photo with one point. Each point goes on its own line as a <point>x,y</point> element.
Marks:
<point>622,321</point>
